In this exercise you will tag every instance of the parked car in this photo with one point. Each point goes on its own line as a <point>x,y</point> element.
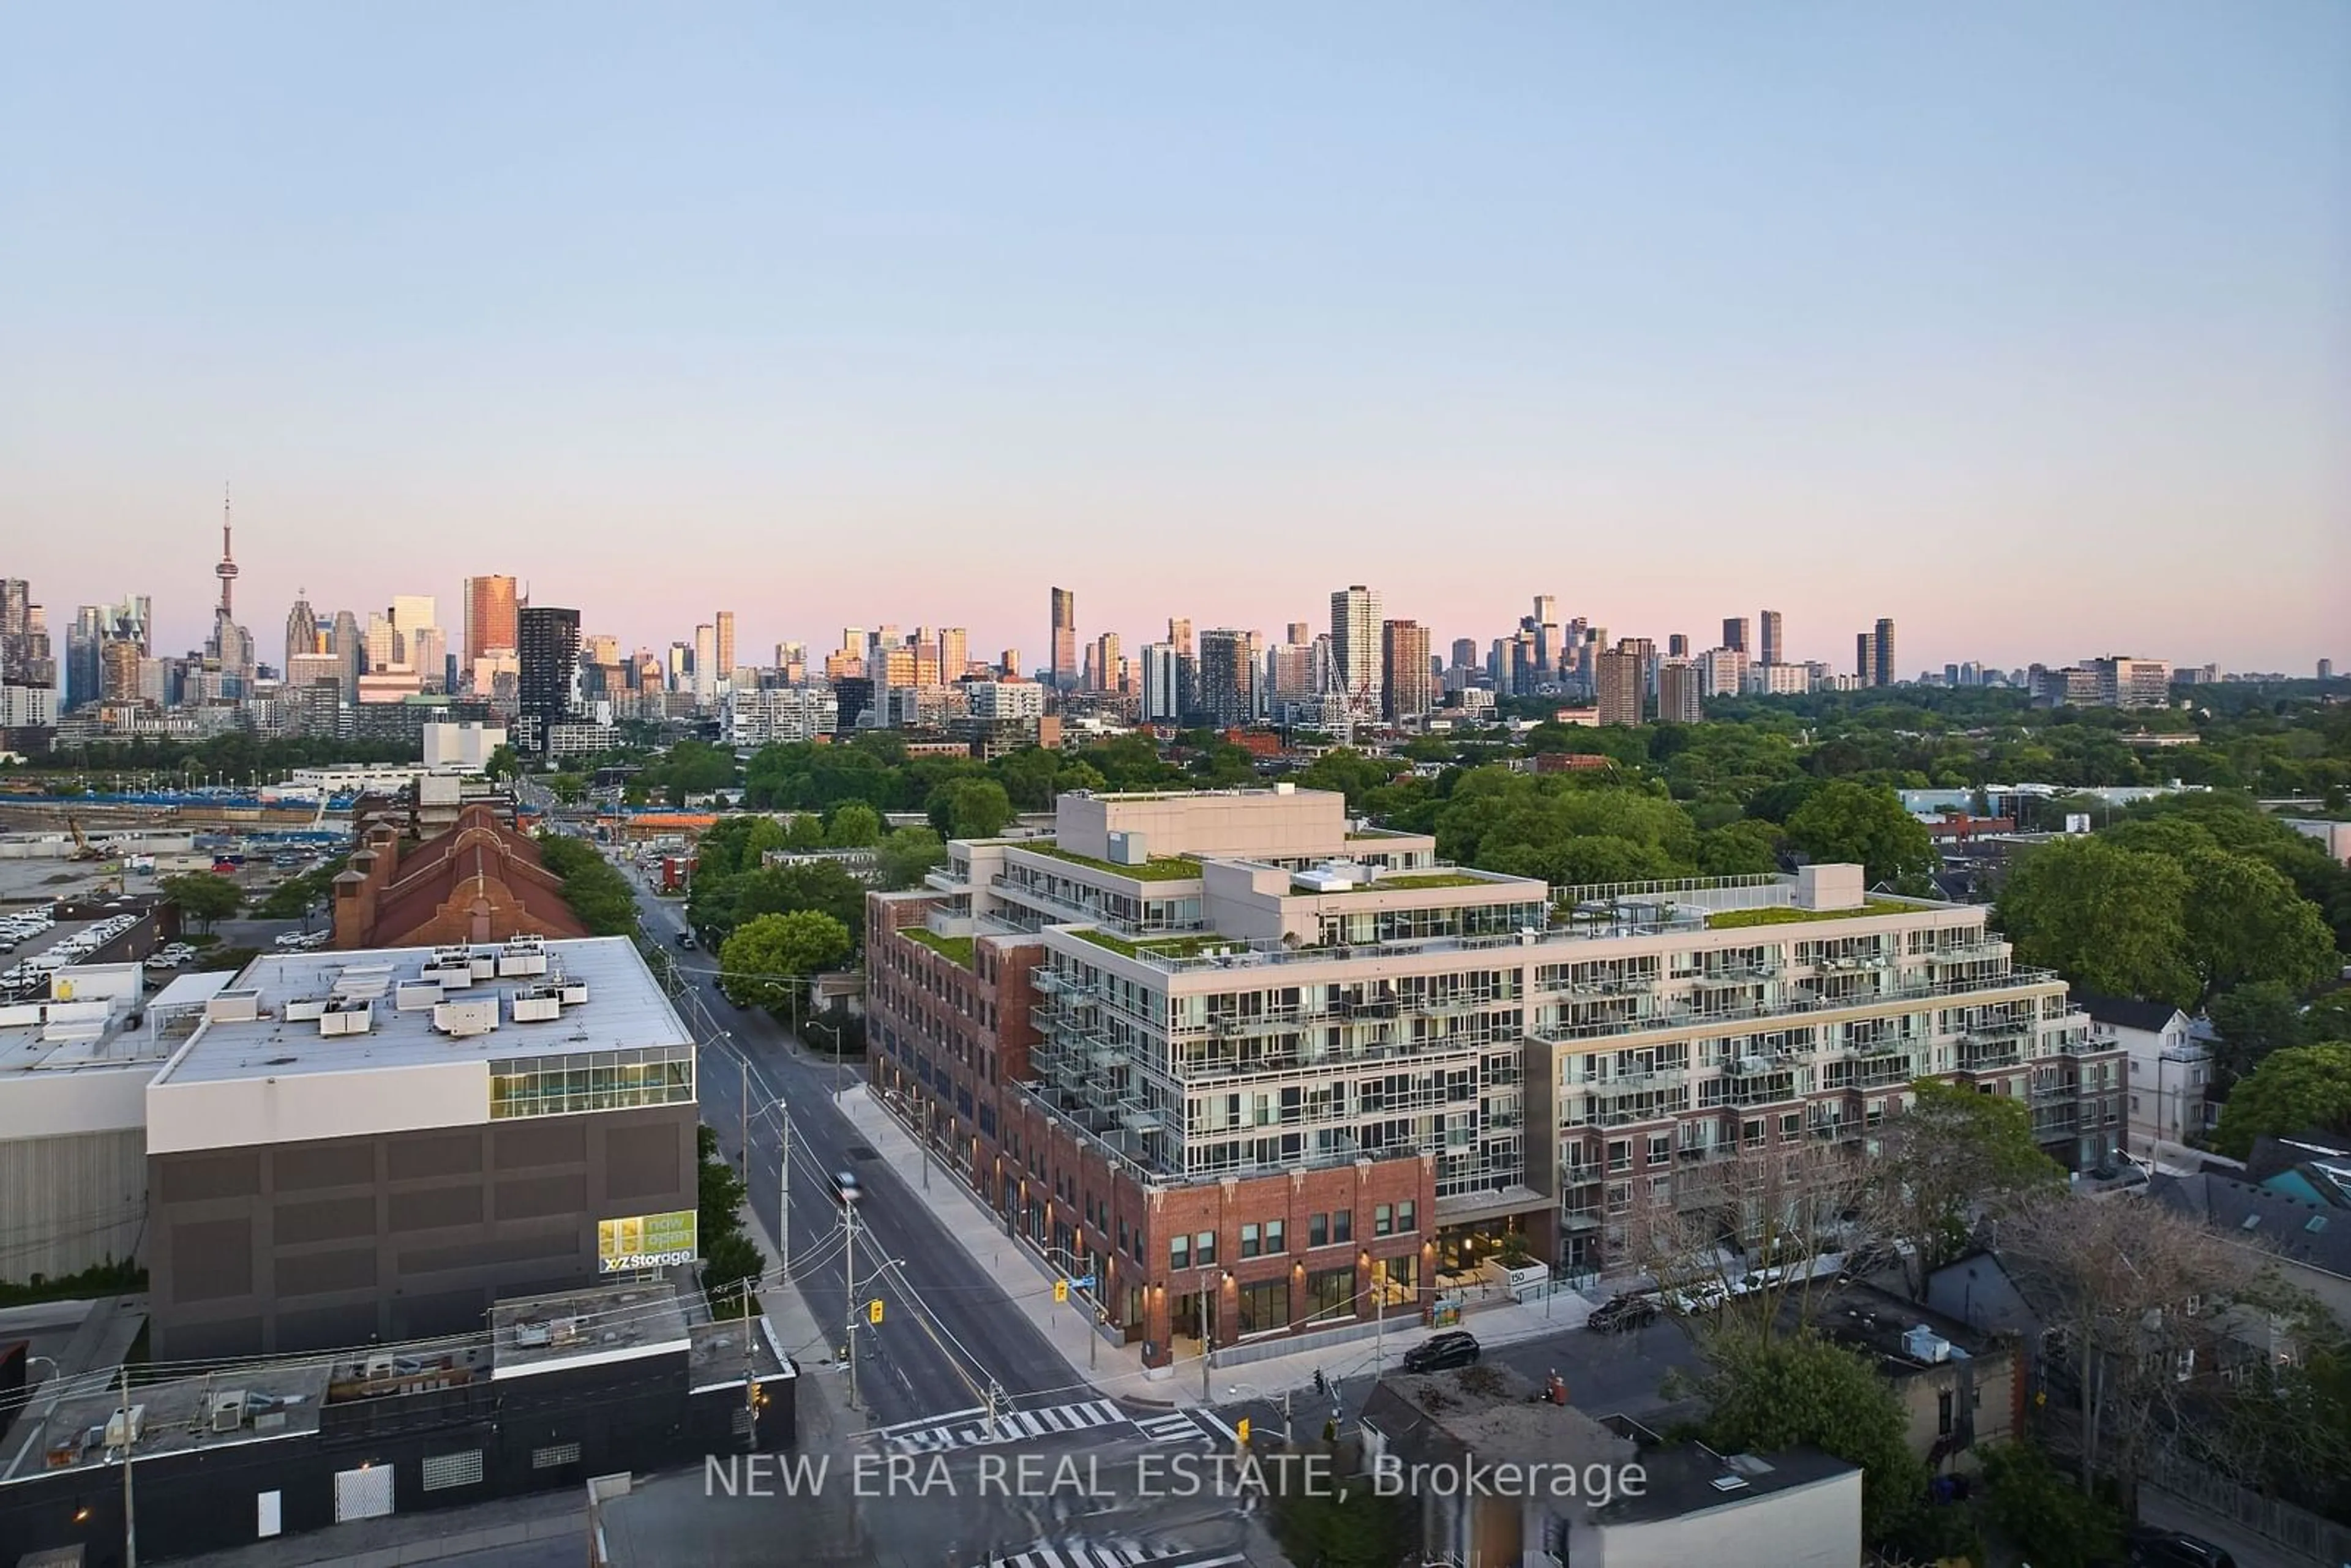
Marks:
<point>1624,1313</point>
<point>685,941</point>
<point>1446,1351</point>
<point>2172,1549</point>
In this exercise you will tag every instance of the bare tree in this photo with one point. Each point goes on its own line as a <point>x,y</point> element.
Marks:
<point>2145,1307</point>
<point>1952,1160</point>
<point>1747,1229</point>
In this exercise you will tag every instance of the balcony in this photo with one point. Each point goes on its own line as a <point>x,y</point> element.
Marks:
<point>1990,1052</point>
<point>1674,1016</point>
<point>1579,1219</point>
<point>946,879</point>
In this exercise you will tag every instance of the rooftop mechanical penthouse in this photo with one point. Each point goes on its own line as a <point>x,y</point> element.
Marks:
<point>376,1144</point>
<point>1258,1070</point>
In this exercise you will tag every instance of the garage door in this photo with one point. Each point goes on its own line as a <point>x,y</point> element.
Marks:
<point>363,1493</point>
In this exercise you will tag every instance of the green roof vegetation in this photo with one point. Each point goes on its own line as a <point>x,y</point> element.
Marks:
<point>958,948</point>
<point>1730,919</point>
<point>1155,946</point>
<point>1158,868</point>
<point>1414,880</point>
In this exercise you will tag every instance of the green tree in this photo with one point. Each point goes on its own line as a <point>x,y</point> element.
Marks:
<point>805,831</point>
<point>2109,917</point>
<point>820,885</point>
<point>1802,1391</point>
<point>854,826</point>
<point>1954,1158</point>
<point>600,895</point>
<point>1738,848</point>
<point>2303,1089</point>
<point>1853,824</point>
<point>769,959</point>
<point>1341,1527</point>
<point>1349,772</point>
<point>568,787</point>
<point>501,763</point>
<point>203,897</point>
<point>2028,1500</point>
<point>2254,1019</point>
<point>765,833</point>
<point>730,1258</point>
<point>908,853</point>
<point>970,808</point>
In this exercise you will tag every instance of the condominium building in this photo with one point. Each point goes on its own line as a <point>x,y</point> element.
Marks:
<point>1722,672</point>
<point>1065,638</point>
<point>1886,671</point>
<point>1355,648</point>
<point>1406,681</point>
<point>1865,659</point>
<point>1771,647</point>
<point>1229,678</point>
<point>490,617</point>
<point>780,715</point>
<point>1258,1071</point>
<point>2132,683</point>
<point>1734,633</point>
<point>1680,684</point>
<point>1780,680</point>
<point>1621,683</point>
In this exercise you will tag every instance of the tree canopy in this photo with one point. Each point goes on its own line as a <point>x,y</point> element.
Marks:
<point>1851,823</point>
<point>1954,1158</point>
<point>2303,1089</point>
<point>600,895</point>
<point>1801,1390</point>
<point>202,896</point>
<point>771,956</point>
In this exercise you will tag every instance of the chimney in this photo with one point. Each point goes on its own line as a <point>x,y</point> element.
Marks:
<point>354,905</point>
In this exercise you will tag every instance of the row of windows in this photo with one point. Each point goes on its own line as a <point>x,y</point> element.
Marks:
<point>1268,1239</point>
<point>599,1081</point>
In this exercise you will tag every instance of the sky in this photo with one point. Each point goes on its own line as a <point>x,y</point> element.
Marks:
<point>2026,325</point>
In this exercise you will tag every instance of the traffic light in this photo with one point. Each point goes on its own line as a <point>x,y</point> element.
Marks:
<point>873,1311</point>
<point>1061,1292</point>
<point>1241,1431</point>
<point>1322,1383</point>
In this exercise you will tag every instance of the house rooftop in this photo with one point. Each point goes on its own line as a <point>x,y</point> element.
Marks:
<point>2295,1230</point>
<point>1428,1417</point>
<point>1689,1477</point>
<point>1904,1336</point>
<point>2126,1012</point>
<point>329,1011</point>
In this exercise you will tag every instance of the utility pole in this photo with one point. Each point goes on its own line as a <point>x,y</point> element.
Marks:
<point>784,1199</point>
<point>750,1386</point>
<point>1208,1342</point>
<point>1379,1327</point>
<point>743,1156</point>
<point>849,1280</point>
<point>129,1526</point>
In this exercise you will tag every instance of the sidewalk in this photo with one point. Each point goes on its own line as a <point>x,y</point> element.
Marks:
<point>1026,1277</point>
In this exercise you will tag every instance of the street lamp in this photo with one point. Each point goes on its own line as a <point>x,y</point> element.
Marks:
<point>1251,1391</point>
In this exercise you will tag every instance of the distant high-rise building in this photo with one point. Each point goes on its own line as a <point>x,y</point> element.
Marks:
<point>1227,694</point>
<point>706,665</point>
<point>1408,689</point>
<point>1677,645</point>
<point>1065,638</point>
<point>550,667</point>
<point>1865,658</point>
<point>1734,633</point>
<point>1355,648</point>
<point>1885,672</point>
<point>349,646</point>
<point>1465,653</point>
<point>301,630</point>
<point>1721,672</point>
<point>1622,679</point>
<point>954,653</point>
<point>1106,663</point>
<point>1179,635</point>
<point>1009,661</point>
<point>723,624</point>
<point>1773,651</point>
<point>1160,694</point>
<point>1299,633</point>
<point>490,607</point>
<point>2325,669</point>
<point>1678,683</point>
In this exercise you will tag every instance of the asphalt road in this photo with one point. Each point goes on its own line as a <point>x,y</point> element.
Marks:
<point>947,1329</point>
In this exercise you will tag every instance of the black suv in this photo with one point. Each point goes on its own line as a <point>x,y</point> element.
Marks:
<point>2171,1549</point>
<point>1622,1312</point>
<point>1446,1351</point>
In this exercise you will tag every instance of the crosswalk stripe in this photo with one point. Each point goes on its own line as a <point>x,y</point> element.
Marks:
<point>923,1423</point>
<point>1214,1419</point>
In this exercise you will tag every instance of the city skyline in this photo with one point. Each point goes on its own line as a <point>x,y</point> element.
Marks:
<point>1672,321</point>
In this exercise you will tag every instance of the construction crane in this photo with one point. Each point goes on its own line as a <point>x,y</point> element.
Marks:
<point>83,848</point>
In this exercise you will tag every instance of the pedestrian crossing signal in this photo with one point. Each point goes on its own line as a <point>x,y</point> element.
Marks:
<point>1241,1431</point>
<point>1061,1292</point>
<point>873,1311</point>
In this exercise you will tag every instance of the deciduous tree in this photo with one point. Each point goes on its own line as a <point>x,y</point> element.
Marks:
<point>1952,1160</point>
<point>202,896</point>
<point>970,808</point>
<point>2111,918</point>
<point>771,956</point>
<point>1848,822</point>
<point>1802,1391</point>
<point>908,853</point>
<point>2303,1089</point>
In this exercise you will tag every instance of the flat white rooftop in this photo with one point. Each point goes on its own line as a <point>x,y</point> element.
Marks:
<point>379,1008</point>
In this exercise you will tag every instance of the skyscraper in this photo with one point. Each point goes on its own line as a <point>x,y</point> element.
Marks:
<point>1409,689</point>
<point>1355,648</point>
<point>1159,694</point>
<point>1065,638</point>
<point>550,651</point>
<point>723,624</point>
<point>346,644</point>
<point>1677,645</point>
<point>954,653</point>
<point>1772,649</point>
<point>1865,658</point>
<point>1622,680</point>
<point>231,645</point>
<point>1228,677</point>
<point>301,631</point>
<point>489,617</point>
<point>1734,633</point>
<point>1105,661</point>
<point>1544,624</point>
<point>1678,681</point>
<point>1179,635</point>
<point>706,665</point>
<point>1885,672</point>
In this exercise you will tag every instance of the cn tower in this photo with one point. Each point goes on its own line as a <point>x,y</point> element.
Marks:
<point>226,570</point>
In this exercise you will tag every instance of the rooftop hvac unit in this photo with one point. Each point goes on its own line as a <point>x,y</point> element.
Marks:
<point>452,954</point>
<point>347,1017</point>
<point>228,1412</point>
<point>301,1010</point>
<point>534,1005</point>
<point>123,1429</point>
<point>573,993</point>
<point>465,1020</point>
<point>531,1336</point>
<point>449,977</point>
<point>232,1006</point>
<point>522,961</point>
<point>416,995</point>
